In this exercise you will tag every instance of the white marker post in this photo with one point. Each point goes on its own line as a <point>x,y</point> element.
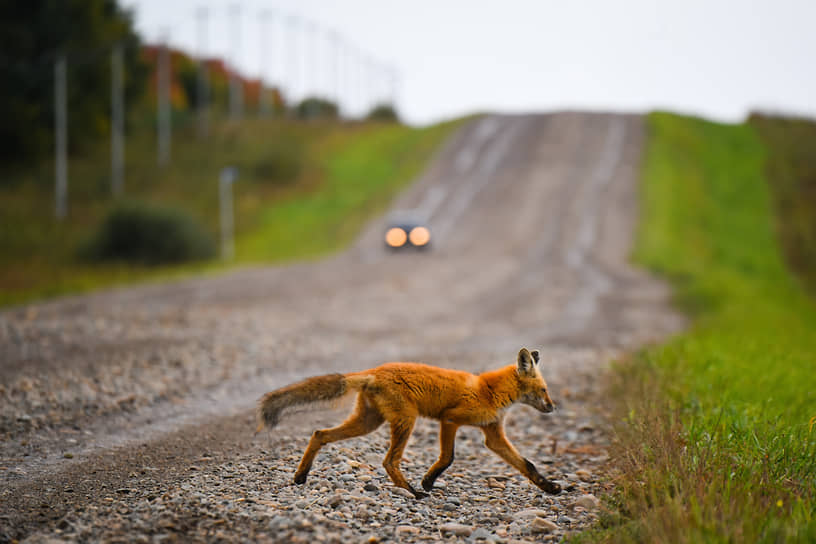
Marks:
<point>225,181</point>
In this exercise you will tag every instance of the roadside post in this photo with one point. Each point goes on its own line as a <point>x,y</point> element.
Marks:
<point>228,176</point>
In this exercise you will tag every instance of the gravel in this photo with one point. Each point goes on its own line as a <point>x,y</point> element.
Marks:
<point>349,497</point>
<point>126,416</point>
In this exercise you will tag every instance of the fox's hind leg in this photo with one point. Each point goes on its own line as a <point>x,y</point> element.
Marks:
<point>364,419</point>
<point>400,432</point>
<point>447,435</point>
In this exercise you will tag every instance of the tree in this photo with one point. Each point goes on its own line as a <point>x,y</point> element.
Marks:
<point>32,36</point>
<point>316,108</point>
<point>383,112</point>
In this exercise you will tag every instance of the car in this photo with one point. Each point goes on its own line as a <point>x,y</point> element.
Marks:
<point>406,231</point>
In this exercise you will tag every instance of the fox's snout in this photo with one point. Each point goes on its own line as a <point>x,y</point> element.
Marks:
<point>540,404</point>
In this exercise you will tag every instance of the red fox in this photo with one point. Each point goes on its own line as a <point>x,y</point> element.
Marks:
<point>400,392</point>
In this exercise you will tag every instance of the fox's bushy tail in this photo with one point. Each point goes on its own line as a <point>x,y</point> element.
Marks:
<point>318,389</point>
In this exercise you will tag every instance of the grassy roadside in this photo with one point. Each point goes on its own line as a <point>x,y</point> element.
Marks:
<point>304,189</point>
<point>715,432</point>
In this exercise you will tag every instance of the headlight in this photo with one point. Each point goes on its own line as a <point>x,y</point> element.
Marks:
<point>395,237</point>
<point>420,236</point>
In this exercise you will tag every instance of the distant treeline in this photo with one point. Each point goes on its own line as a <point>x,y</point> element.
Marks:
<point>33,36</point>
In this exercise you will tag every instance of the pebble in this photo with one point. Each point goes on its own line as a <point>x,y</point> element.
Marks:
<point>584,475</point>
<point>481,534</point>
<point>457,529</point>
<point>588,501</point>
<point>531,512</point>
<point>542,525</point>
<point>402,492</point>
<point>492,483</point>
<point>404,530</point>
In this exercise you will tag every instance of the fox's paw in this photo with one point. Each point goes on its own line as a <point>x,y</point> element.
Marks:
<point>551,487</point>
<point>419,494</point>
<point>300,479</point>
<point>427,484</point>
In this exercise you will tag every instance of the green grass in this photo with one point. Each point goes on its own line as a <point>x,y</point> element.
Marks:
<point>715,430</point>
<point>304,189</point>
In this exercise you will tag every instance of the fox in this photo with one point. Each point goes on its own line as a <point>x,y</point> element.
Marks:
<point>399,393</point>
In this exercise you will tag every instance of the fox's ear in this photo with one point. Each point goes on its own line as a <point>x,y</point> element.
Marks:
<point>536,356</point>
<point>525,361</point>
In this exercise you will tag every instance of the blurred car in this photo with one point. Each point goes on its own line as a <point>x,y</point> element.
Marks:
<point>406,231</point>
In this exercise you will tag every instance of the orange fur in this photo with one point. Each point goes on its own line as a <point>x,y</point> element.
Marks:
<point>400,392</point>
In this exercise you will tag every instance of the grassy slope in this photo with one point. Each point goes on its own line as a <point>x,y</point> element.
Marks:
<point>791,169</point>
<point>716,438</point>
<point>304,189</point>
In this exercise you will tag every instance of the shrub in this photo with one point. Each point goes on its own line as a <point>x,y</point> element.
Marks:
<point>142,233</point>
<point>383,112</point>
<point>316,108</point>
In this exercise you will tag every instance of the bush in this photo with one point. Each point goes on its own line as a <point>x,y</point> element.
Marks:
<point>142,233</point>
<point>383,112</point>
<point>316,108</point>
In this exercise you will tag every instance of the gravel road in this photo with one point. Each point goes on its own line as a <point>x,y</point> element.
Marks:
<point>126,415</point>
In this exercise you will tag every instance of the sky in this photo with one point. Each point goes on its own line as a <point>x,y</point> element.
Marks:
<point>441,59</point>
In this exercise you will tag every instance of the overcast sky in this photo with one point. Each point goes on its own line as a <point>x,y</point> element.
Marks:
<point>715,58</point>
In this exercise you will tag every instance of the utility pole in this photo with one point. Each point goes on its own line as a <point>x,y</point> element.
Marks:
<point>309,65</point>
<point>236,86</point>
<point>360,80</point>
<point>293,61</point>
<point>264,106</point>
<point>163,98</point>
<point>394,83</point>
<point>61,137</point>
<point>337,46</point>
<point>203,99</point>
<point>333,57</point>
<point>374,96</point>
<point>117,120</point>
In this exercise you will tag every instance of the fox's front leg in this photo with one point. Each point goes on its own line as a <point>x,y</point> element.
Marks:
<point>447,436</point>
<point>497,442</point>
